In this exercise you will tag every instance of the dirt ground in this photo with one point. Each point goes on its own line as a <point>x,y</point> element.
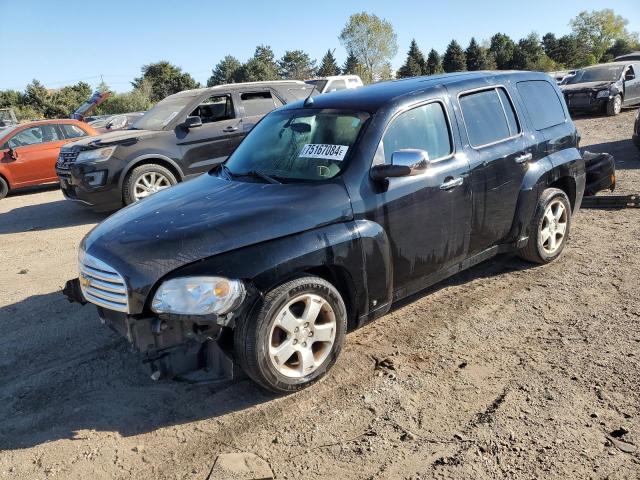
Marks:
<point>504,371</point>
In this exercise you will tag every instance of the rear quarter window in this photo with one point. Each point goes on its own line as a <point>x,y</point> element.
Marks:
<point>542,103</point>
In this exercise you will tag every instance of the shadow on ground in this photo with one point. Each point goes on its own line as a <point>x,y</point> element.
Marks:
<point>46,216</point>
<point>63,372</point>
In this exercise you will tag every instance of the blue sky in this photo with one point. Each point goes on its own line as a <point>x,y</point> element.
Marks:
<point>62,42</point>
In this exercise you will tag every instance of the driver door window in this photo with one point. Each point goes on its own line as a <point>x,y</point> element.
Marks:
<point>215,109</point>
<point>30,136</point>
<point>424,128</point>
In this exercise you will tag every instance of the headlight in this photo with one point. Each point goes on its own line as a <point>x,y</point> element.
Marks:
<point>198,296</point>
<point>97,155</point>
<point>603,94</point>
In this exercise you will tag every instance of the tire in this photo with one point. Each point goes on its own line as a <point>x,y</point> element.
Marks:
<point>278,322</point>
<point>4,188</point>
<point>131,189</point>
<point>541,248</point>
<point>614,106</point>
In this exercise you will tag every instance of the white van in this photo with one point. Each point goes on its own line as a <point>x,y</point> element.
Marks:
<point>338,82</point>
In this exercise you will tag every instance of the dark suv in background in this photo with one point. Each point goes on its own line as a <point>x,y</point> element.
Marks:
<point>329,212</point>
<point>182,136</point>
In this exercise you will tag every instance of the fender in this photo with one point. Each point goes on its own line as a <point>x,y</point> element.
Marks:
<point>565,163</point>
<point>148,156</point>
<point>356,254</point>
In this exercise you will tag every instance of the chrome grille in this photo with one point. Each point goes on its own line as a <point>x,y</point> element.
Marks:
<point>102,285</point>
<point>66,159</point>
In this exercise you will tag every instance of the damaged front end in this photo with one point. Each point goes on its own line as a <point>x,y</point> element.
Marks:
<point>175,346</point>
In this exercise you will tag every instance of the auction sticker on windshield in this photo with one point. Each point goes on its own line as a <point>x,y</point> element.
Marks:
<point>324,151</point>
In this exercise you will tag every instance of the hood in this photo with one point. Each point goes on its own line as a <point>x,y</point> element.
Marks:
<point>586,86</point>
<point>207,216</point>
<point>118,137</point>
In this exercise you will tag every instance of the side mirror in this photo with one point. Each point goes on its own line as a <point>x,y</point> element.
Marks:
<point>192,122</point>
<point>13,154</point>
<point>404,163</point>
<point>629,76</point>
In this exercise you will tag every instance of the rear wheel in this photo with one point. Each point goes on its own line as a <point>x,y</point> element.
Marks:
<point>4,188</point>
<point>614,106</point>
<point>146,180</point>
<point>293,336</point>
<point>549,228</point>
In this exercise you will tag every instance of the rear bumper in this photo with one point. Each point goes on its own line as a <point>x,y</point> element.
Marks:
<point>601,172</point>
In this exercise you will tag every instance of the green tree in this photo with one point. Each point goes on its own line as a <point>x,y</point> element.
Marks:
<point>527,53</point>
<point>328,65</point>
<point>550,44</point>
<point>415,64</point>
<point>164,79</point>
<point>502,48</point>
<point>64,101</point>
<point>570,52</point>
<point>261,67</point>
<point>454,59</point>
<point>224,72</point>
<point>133,101</point>
<point>599,30</point>
<point>296,65</point>
<point>476,57</point>
<point>621,46</point>
<point>373,42</point>
<point>36,96</point>
<point>11,98</point>
<point>434,63</point>
<point>351,65</point>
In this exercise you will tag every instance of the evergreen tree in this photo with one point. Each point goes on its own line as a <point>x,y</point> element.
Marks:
<point>434,63</point>
<point>415,65</point>
<point>296,65</point>
<point>351,65</point>
<point>527,53</point>
<point>476,56</point>
<point>164,79</point>
<point>261,67</point>
<point>502,48</point>
<point>224,72</point>
<point>328,67</point>
<point>454,59</point>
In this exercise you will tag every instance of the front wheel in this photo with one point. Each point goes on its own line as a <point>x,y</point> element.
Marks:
<point>549,228</point>
<point>614,106</point>
<point>146,180</point>
<point>293,336</point>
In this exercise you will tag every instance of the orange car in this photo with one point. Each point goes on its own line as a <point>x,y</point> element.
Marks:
<point>28,152</point>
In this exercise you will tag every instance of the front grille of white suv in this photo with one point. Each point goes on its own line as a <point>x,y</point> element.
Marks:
<point>102,285</point>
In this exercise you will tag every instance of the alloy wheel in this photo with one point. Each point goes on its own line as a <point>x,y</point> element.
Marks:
<point>554,227</point>
<point>302,335</point>
<point>150,183</point>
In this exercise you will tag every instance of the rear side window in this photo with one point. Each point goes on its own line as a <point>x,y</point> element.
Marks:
<point>542,103</point>
<point>488,116</point>
<point>257,103</point>
<point>72,131</point>
<point>424,128</point>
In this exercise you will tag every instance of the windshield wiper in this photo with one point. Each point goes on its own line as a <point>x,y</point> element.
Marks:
<point>264,176</point>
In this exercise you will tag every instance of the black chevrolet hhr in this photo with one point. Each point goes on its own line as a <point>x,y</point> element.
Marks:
<point>330,211</point>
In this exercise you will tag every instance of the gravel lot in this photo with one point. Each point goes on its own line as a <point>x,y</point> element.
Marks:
<point>504,371</point>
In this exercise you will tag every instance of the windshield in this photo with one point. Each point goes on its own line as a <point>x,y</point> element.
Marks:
<point>597,74</point>
<point>166,110</point>
<point>298,144</point>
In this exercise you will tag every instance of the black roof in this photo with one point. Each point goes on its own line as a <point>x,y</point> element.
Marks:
<point>372,97</point>
<point>275,84</point>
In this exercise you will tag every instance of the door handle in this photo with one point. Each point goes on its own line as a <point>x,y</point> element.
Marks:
<point>525,157</point>
<point>231,128</point>
<point>452,183</point>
